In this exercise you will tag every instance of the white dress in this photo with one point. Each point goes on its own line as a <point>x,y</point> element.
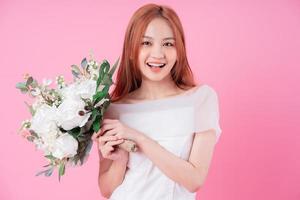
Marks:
<point>172,122</point>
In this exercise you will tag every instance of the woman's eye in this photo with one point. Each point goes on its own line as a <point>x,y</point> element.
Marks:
<point>168,44</point>
<point>146,43</point>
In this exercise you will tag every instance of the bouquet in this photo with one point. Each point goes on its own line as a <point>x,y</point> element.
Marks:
<point>65,118</point>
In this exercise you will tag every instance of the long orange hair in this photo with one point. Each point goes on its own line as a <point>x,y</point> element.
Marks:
<point>129,76</point>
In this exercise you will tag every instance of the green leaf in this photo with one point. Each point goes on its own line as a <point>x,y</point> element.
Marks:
<point>96,124</point>
<point>46,172</point>
<point>104,68</point>
<point>61,170</point>
<point>101,94</point>
<point>95,113</point>
<point>114,68</point>
<point>21,85</point>
<point>75,132</point>
<point>84,63</point>
<point>98,96</point>
<point>76,71</point>
<point>50,156</point>
<point>49,172</point>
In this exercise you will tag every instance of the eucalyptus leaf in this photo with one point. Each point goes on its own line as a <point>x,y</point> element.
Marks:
<point>21,85</point>
<point>50,156</point>
<point>76,71</point>
<point>46,172</point>
<point>61,170</point>
<point>84,63</point>
<point>47,165</point>
<point>41,172</point>
<point>49,172</point>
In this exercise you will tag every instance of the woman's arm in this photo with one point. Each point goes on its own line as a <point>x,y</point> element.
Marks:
<point>111,175</point>
<point>112,163</point>
<point>190,174</point>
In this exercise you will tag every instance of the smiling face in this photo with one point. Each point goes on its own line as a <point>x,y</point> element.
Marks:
<point>157,53</point>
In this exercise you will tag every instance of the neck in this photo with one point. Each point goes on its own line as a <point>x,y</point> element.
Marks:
<point>152,90</point>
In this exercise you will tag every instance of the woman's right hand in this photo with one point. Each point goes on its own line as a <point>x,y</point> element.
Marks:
<point>107,145</point>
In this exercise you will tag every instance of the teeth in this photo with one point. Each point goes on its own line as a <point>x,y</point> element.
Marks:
<point>156,64</point>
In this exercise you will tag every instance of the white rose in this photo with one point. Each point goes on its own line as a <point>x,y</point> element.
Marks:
<point>44,120</point>
<point>84,89</point>
<point>68,114</point>
<point>47,141</point>
<point>65,146</point>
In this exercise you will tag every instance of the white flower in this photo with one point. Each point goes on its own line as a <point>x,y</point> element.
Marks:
<point>65,146</point>
<point>44,120</point>
<point>68,114</point>
<point>78,90</point>
<point>48,141</point>
<point>86,89</point>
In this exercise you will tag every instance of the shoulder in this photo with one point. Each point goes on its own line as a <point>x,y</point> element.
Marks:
<point>206,90</point>
<point>206,95</point>
<point>211,91</point>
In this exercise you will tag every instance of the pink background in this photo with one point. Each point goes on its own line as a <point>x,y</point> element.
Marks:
<point>248,51</point>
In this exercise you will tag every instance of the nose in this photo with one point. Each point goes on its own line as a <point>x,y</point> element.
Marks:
<point>157,52</point>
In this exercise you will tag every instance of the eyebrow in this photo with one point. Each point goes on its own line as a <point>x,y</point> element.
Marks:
<point>167,38</point>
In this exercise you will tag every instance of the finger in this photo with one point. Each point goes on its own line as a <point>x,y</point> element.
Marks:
<point>107,127</point>
<point>105,150</point>
<point>103,139</point>
<point>112,143</point>
<point>96,135</point>
<point>111,132</point>
<point>108,121</point>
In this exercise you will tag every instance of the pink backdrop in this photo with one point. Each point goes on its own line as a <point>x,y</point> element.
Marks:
<point>247,50</point>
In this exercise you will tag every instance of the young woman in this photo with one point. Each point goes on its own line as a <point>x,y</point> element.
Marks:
<point>156,104</point>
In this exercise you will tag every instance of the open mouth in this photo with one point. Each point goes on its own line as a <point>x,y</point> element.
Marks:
<point>160,65</point>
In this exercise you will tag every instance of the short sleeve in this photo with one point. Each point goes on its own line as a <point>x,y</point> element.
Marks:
<point>207,112</point>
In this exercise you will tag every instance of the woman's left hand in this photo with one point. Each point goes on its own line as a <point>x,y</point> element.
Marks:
<point>120,130</point>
